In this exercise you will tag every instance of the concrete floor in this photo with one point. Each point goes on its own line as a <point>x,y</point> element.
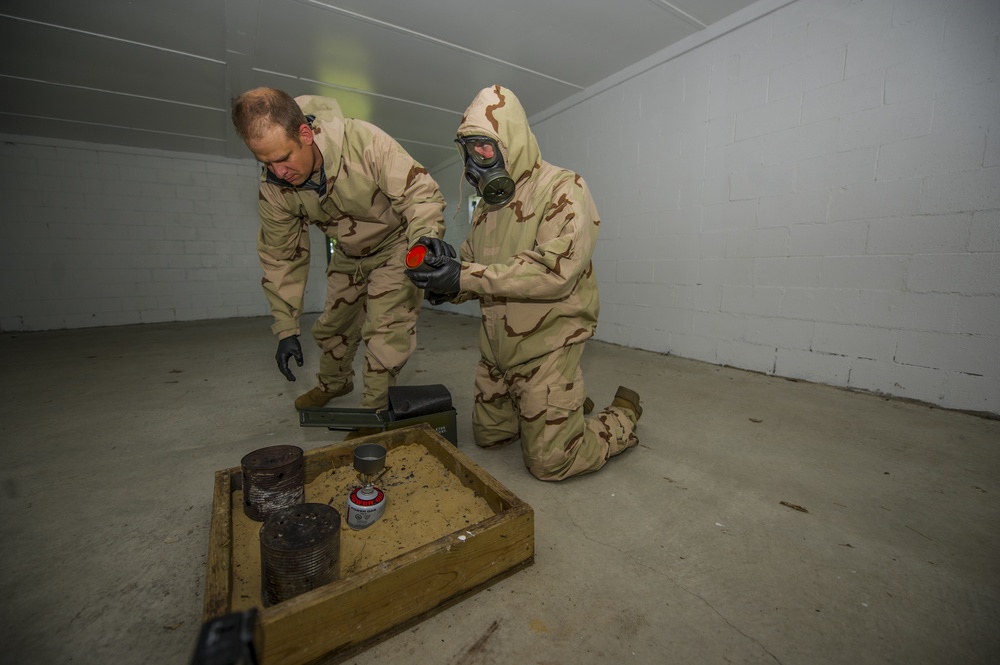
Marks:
<point>679,551</point>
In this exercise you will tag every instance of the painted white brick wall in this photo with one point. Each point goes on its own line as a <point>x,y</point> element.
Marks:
<point>96,235</point>
<point>816,194</point>
<point>813,194</point>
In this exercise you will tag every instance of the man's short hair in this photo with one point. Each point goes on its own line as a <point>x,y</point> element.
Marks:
<point>255,111</point>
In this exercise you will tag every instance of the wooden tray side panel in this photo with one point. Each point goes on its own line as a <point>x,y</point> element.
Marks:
<point>355,610</point>
<point>218,573</point>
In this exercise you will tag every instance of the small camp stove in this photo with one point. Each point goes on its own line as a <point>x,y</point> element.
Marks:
<point>367,503</point>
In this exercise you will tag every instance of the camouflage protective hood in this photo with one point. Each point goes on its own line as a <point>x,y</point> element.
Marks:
<point>325,112</point>
<point>496,112</point>
<point>323,108</point>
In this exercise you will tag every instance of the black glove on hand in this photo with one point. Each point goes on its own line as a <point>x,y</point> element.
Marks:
<point>443,279</point>
<point>437,298</point>
<point>288,348</point>
<point>438,247</point>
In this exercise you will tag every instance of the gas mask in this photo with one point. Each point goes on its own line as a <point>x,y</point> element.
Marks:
<point>484,168</point>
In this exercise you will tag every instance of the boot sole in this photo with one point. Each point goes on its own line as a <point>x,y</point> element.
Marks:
<point>630,396</point>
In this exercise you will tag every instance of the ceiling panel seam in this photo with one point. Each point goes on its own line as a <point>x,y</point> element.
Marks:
<point>104,124</point>
<point>115,39</point>
<point>356,90</point>
<point>111,92</point>
<point>679,13</point>
<point>434,40</point>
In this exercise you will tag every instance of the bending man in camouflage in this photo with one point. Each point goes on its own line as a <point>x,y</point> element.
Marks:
<point>361,188</point>
<point>528,260</point>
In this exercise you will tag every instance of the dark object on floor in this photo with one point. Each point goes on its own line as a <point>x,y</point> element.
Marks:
<point>232,639</point>
<point>408,405</point>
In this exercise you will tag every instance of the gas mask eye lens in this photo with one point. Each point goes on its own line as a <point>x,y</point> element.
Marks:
<point>482,150</point>
<point>483,153</point>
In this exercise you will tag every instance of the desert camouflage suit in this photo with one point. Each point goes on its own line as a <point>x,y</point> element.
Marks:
<point>529,264</point>
<point>375,201</point>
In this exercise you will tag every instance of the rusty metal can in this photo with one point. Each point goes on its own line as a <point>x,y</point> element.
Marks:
<point>273,478</point>
<point>299,551</point>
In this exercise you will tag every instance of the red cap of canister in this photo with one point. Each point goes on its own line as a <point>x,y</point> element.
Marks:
<point>416,256</point>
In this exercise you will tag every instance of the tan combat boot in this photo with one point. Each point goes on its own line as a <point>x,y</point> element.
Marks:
<point>628,399</point>
<point>318,397</point>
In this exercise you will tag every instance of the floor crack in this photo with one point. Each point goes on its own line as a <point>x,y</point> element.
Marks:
<point>707,604</point>
<point>667,576</point>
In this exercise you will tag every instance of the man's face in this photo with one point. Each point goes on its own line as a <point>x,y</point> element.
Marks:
<point>292,161</point>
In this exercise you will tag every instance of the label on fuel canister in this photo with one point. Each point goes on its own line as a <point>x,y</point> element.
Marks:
<point>364,506</point>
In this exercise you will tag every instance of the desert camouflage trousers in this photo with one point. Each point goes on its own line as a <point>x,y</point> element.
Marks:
<point>541,402</point>
<point>367,299</point>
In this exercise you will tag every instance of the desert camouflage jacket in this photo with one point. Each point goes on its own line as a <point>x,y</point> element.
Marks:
<point>528,262</point>
<point>369,194</point>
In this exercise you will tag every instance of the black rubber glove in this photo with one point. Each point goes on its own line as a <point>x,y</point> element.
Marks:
<point>438,247</point>
<point>288,348</point>
<point>438,298</point>
<point>443,279</point>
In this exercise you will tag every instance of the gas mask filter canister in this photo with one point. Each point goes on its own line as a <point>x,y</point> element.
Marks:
<point>484,168</point>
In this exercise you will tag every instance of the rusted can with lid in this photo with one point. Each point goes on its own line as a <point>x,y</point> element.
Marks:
<point>273,478</point>
<point>299,551</point>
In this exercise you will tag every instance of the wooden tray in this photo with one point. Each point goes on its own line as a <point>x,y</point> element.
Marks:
<point>349,615</point>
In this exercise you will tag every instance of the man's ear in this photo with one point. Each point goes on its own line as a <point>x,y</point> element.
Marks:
<point>305,134</point>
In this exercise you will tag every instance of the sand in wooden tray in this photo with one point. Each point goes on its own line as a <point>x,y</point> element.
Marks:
<point>424,501</point>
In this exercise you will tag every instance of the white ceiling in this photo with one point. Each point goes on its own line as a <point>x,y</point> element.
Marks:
<point>160,73</point>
